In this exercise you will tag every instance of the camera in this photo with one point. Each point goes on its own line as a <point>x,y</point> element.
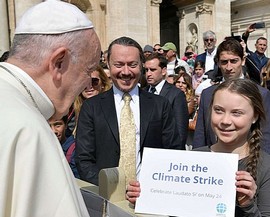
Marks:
<point>187,54</point>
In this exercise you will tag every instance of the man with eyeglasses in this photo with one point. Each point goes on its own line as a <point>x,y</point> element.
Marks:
<point>210,40</point>
<point>229,57</point>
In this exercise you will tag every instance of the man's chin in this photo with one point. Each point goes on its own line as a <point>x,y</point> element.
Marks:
<point>127,88</point>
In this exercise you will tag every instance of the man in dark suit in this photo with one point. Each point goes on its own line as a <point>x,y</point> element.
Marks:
<point>230,57</point>
<point>97,140</point>
<point>155,71</point>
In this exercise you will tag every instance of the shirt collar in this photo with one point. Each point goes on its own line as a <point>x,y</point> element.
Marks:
<point>213,53</point>
<point>159,86</point>
<point>118,94</point>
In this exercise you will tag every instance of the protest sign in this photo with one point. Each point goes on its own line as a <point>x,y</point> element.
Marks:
<point>187,183</point>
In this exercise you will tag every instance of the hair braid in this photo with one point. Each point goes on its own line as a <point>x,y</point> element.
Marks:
<point>254,150</point>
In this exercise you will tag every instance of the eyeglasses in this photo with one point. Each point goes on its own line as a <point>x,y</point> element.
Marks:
<point>232,61</point>
<point>95,81</point>
<point>159,49</point>
<point>209,39</point>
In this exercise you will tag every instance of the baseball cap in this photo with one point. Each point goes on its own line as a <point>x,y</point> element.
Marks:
<point>53,17</point>
<point>169,46</point>
<point>148,48</point>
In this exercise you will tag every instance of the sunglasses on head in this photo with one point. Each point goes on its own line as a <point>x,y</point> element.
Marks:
<point>95,81</point>
<point>209,39</point>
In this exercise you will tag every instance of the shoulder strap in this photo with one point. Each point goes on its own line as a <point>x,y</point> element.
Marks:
<point>70,151</point>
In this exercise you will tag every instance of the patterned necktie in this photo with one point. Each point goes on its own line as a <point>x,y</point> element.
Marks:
<point>152,89</point>
<point>127,140</point>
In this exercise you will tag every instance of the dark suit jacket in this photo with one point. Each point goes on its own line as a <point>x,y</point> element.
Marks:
<point>97,140</point>
<point>204,134</point>
<point>201,56</point>
<point>178,101</point>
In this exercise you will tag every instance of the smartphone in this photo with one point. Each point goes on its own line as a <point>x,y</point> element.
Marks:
<point>259,25</point>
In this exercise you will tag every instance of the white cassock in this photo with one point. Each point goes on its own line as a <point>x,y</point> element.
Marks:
<point>35,178</point>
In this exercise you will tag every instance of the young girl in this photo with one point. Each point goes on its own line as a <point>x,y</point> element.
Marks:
<point>236,123</point>
<point>198,74</point>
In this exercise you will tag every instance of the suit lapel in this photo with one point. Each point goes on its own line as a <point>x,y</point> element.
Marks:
<point>109,111</point>
<point>165,89</point>
<point>145,113</point>
<point>146,88</point>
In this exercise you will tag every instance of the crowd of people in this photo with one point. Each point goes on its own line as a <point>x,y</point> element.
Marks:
<point>100,109</point>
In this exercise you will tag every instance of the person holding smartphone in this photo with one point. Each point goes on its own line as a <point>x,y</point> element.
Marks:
<point>258,56</point>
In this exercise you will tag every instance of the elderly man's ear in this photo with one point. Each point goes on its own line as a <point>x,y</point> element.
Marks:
<point>59,62</point>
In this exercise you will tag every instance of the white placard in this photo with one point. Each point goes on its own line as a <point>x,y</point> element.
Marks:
<point>187,183</point>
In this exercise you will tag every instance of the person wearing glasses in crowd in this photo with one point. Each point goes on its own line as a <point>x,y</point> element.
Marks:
<point>190,57</point>
<point>100,83</point>
<point>210,40</point>
<point>229,57</point>
<point>158,49</point>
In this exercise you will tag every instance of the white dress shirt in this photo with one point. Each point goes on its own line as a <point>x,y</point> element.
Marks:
<point>209,61</point>
<point>158,87</point>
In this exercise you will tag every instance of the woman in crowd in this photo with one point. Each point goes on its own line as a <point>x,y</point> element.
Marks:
<point>193,120</point>
<point>183,82</point>
<point>100,83</point>
<point>236,122</point>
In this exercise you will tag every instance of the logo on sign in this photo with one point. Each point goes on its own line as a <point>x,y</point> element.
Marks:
<point>221,209</point>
